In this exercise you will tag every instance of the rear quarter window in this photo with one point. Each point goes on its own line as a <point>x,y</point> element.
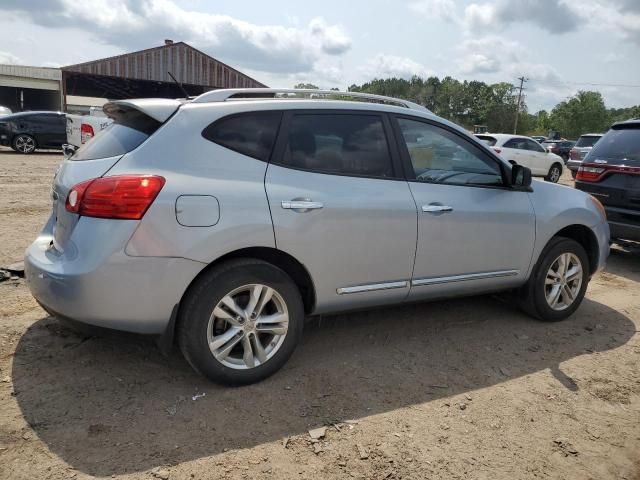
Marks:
<point>252,134</point>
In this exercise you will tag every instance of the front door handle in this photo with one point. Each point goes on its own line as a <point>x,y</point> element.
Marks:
<point>436,208</point>
<point>301,205</point>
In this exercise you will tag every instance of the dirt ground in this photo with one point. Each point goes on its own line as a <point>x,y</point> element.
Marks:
<point>468,389</point>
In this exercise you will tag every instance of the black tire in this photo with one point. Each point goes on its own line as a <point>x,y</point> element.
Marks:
<point>531,297</point>
<point>555,172</point>
<point>24,143</point>
<point>203,296</point>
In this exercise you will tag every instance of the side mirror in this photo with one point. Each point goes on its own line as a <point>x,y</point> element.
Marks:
<point>68,150</point>
<point>520,176</point>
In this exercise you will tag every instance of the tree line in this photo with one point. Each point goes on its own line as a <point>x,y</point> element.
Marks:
<point>470,103</point>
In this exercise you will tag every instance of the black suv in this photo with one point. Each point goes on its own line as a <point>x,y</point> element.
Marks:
<point>26,131</point>
<point>611,173</point>
<point>559,147</point>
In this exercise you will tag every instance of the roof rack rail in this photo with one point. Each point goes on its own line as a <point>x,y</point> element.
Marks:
<point>294,93</point>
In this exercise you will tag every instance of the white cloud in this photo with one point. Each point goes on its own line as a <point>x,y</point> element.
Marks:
<point>143,23</point>
<point>438,9</point>
<point>487,55</point>
<point>620,17</point>
<point>9,58</point>
<point>385,66</point>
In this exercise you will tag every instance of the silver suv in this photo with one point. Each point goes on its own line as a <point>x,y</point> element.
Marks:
<point>226,219</point>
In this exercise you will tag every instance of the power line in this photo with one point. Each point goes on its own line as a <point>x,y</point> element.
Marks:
<point>620,85</point>
<point>515,124</point>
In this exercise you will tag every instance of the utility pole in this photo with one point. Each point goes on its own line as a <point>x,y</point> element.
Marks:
<point>515,124</point>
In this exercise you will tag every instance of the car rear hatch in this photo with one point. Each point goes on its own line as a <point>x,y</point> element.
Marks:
<point>134,122</point>
<point>612,173</point>
<point>584,145</point>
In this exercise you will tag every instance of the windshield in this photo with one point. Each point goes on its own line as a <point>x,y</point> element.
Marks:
<point>622,146</point>
<point>587,141</point>
<point>122,136</point>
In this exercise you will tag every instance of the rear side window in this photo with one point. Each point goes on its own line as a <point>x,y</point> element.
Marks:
<point>619,146</point>
<point>252,134</point>
<point>517,143</point>
<point>125,134</point>
<point>344,144</point>
<point>487,140</point>
<point>587,141</point>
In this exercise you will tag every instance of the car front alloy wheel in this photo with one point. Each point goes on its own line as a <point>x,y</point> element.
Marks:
<point>24,144</point>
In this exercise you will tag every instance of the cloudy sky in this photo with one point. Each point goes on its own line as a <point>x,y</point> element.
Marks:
<point>561,46</point>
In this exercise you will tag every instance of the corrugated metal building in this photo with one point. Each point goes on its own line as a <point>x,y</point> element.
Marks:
<point>30,88</point>
<point>143,74</point>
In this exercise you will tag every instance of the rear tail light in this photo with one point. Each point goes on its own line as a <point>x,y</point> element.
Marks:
<point>589,174</point>
<point>121,196</point>
<point>592,172</point>
<point>86,133</point>
<point>573,154</point>
<point>497,150</point>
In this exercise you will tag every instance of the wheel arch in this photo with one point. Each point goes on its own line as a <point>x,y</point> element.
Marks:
<point>585,237</point>
<point>289,264</point>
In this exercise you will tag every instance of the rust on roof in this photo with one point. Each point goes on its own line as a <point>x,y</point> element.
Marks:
<point>189,65</point>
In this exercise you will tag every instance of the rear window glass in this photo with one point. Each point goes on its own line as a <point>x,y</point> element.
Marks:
<point>125,134</point>
<point>622,146</point>
<point>252,134</point>
<point>587,141</point>
<point>487,140</point>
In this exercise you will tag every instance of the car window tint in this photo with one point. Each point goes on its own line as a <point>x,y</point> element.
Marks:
<point>487,139</point>
<point>340,144</point>
<point>587,141</point>
<point>533,146</point>
<point>515,143</point>
<point>621,146</point>
<point>122,136</point>
<point>440,156</point>
<point>252,134</point>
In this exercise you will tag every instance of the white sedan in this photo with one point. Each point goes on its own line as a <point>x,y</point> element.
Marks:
<point>526,152</point>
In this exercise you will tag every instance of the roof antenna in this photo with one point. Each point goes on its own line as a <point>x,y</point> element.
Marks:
<point>186,94</point>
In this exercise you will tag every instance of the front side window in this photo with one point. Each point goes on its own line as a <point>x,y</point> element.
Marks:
<point>440,156</point>
<point>252,134</point>
<point>344,144</point>
<point>533,146</point>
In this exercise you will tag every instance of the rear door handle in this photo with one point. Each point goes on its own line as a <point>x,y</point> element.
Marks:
<point>436,208</point>
<point>301,205</point>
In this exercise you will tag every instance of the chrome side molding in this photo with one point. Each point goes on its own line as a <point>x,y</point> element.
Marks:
<point>461,278</point>
<point>372,287</point>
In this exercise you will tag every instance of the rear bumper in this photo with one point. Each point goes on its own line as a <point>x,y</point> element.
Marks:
<point>624,223</point>
<point>134,294</point>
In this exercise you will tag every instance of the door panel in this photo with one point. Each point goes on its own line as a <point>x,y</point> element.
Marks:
<point>362,232</point>
<point>483,241</point>
<point>338,207</point>
<point>474,234</point>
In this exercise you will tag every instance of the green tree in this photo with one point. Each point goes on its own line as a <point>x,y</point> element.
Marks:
<point>583,113</point>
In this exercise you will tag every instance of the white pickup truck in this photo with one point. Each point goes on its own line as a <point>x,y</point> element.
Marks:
<point>82,128</point>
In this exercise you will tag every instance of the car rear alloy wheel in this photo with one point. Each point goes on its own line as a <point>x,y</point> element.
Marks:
<point>24,144</point>
<point>240,321</point>
<point>248,326</point>
<point>563,282</point>
<point>554,173</point>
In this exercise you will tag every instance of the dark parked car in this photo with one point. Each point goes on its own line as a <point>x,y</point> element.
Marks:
<point>559,147</point>
<point>611,173</point>
<point>27,131</point>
